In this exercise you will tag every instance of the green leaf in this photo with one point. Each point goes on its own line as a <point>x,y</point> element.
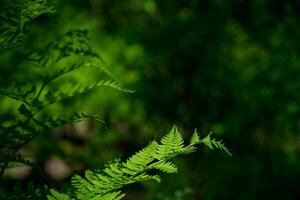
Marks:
<point>195,138</point>
<point>57,196</point>
<point>212,143</point>
<point>165,166</point>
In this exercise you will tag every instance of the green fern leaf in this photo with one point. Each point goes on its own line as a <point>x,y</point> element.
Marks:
<point>171,145</point>
<point>57,196</point>
<point>164,166</point>
<point>138,161</point>
<point>110,196</point>
<point>195,138</point>
<point>212,143</point>
<point>104,184</point>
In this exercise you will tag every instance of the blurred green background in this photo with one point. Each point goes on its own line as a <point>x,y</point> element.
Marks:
<point>230,67</point>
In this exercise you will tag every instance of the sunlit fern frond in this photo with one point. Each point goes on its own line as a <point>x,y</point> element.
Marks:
<point>145,165</point>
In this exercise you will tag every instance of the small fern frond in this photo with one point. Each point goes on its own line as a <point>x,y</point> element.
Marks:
<point>178,143</point>
<point>115,85</point>
<point>213,143</point>
<point>59,121</point>
<point>195,138</point>
<point>69,91</point>
<point>171,144</point>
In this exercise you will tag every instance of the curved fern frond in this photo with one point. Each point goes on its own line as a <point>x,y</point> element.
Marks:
<point>58,121</point>
<point>213,143</point>
<point>142,166</point>
<point>70,91</point>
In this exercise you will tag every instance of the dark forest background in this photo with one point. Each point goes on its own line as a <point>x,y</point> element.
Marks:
<point>230,67</point>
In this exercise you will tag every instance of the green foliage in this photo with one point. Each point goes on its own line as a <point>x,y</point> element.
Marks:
<point>30,192</point>
<point>43,78</point>
<point>58,59</point>
<point>212,143</point>
<point>142,166</point>
<point>231,66</point>
<point>15,17</point>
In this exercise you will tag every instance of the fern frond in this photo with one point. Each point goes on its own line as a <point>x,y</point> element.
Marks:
<point>74,42</point>
<point>14,17</point>
<point>110,196</point>
<point>171,145</point>
<point>213,143</point>
<point>58,73</point>
<point>57,196</point>
<point>164,166</point>
<point>142,158</point>
<point>70,91</point>
<point>20,159</point>
<point>115,85</point>
<point>155,157</point>
<point>58,121</point>
<point>195,138</point>
<point>37,96</point>
<point>15,92</point>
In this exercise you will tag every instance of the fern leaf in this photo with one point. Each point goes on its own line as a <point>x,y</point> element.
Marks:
<point>212,143</point>
<point>57,196</point>
<point>171,144</point>
<point>70,91</point>
<point>178,143</point>
<point>107,183</point>
<point>138,161</point>
<point>14,19</point>
<point>59,121</point>
<point>195,138</point>
<point>58,73</point>
<point>164,166</point>
<point>110,196</point>
<point>12,94</point>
